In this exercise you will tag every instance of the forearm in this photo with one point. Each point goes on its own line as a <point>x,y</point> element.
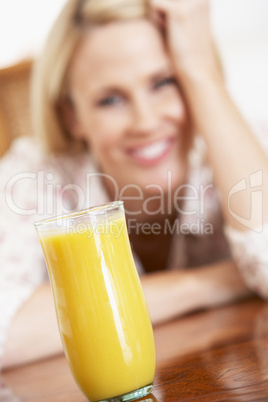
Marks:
<point>174,293</point>
<point>233,150</point>
<point>33,333</point>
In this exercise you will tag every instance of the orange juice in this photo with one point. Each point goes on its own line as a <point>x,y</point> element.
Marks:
<point>102,314</point>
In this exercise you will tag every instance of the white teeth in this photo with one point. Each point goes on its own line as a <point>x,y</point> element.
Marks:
<point>152,151</point>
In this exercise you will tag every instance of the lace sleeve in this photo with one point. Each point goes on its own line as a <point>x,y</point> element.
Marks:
<point>250,252</point>
<point>22,267</point>
<point>250,248</point>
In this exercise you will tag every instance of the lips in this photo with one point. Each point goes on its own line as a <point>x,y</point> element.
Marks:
<point>152,153</point>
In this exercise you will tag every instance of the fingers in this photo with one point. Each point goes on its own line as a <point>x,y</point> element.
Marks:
<point>158,18</point>
<point>165,6</point>
<point>181,8</point>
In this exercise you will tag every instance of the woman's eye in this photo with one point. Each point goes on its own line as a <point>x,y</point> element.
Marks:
<point>110,101</point>
<point>165,81</point>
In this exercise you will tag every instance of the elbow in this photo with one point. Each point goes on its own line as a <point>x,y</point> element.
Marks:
<point>255,276</point>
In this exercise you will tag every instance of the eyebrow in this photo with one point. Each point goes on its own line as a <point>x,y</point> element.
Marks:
<point>166,71</point>
<point>150,76</point>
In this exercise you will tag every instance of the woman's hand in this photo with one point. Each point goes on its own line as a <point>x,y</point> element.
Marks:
<point>186,25</point>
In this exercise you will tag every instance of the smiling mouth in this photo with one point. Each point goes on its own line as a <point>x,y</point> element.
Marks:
<point>152,153</point>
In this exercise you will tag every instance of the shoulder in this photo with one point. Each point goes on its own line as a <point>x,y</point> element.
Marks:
<point>24,144</point>
<point>24,151</point>
<point>28,154</point>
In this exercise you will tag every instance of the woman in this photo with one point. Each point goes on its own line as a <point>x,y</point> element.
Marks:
<point>119,93</point>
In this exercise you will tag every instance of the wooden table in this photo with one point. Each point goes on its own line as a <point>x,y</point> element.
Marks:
<point>218,355</point>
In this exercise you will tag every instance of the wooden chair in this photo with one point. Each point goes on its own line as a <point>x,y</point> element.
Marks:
<point>14,103</point>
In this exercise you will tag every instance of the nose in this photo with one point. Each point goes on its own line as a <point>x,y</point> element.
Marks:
<point>144,116</point>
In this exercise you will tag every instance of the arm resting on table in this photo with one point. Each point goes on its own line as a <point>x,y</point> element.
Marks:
<point>173,293</point>
<point>34,332</point>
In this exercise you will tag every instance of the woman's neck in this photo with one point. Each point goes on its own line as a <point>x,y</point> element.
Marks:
<point>151,239</point>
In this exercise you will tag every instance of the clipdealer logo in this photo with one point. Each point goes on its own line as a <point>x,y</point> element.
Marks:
<point>254,185</point>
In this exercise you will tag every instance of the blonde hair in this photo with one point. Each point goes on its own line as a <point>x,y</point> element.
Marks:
<point>49,78</point>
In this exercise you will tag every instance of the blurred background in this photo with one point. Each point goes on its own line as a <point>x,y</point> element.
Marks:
<point>240,28</point>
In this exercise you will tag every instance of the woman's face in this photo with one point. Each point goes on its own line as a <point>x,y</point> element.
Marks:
<point>128,107</point>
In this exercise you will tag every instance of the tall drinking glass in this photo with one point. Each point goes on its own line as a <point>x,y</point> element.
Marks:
<point>101,310</point>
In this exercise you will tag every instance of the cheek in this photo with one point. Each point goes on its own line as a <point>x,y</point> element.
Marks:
<point>100,132</point>
<point>100,145</point>
<point>182,111</point>
<point>174,107</point>
<point>177,111</point>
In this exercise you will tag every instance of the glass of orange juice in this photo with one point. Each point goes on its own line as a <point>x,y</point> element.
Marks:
<point>102,315</point>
